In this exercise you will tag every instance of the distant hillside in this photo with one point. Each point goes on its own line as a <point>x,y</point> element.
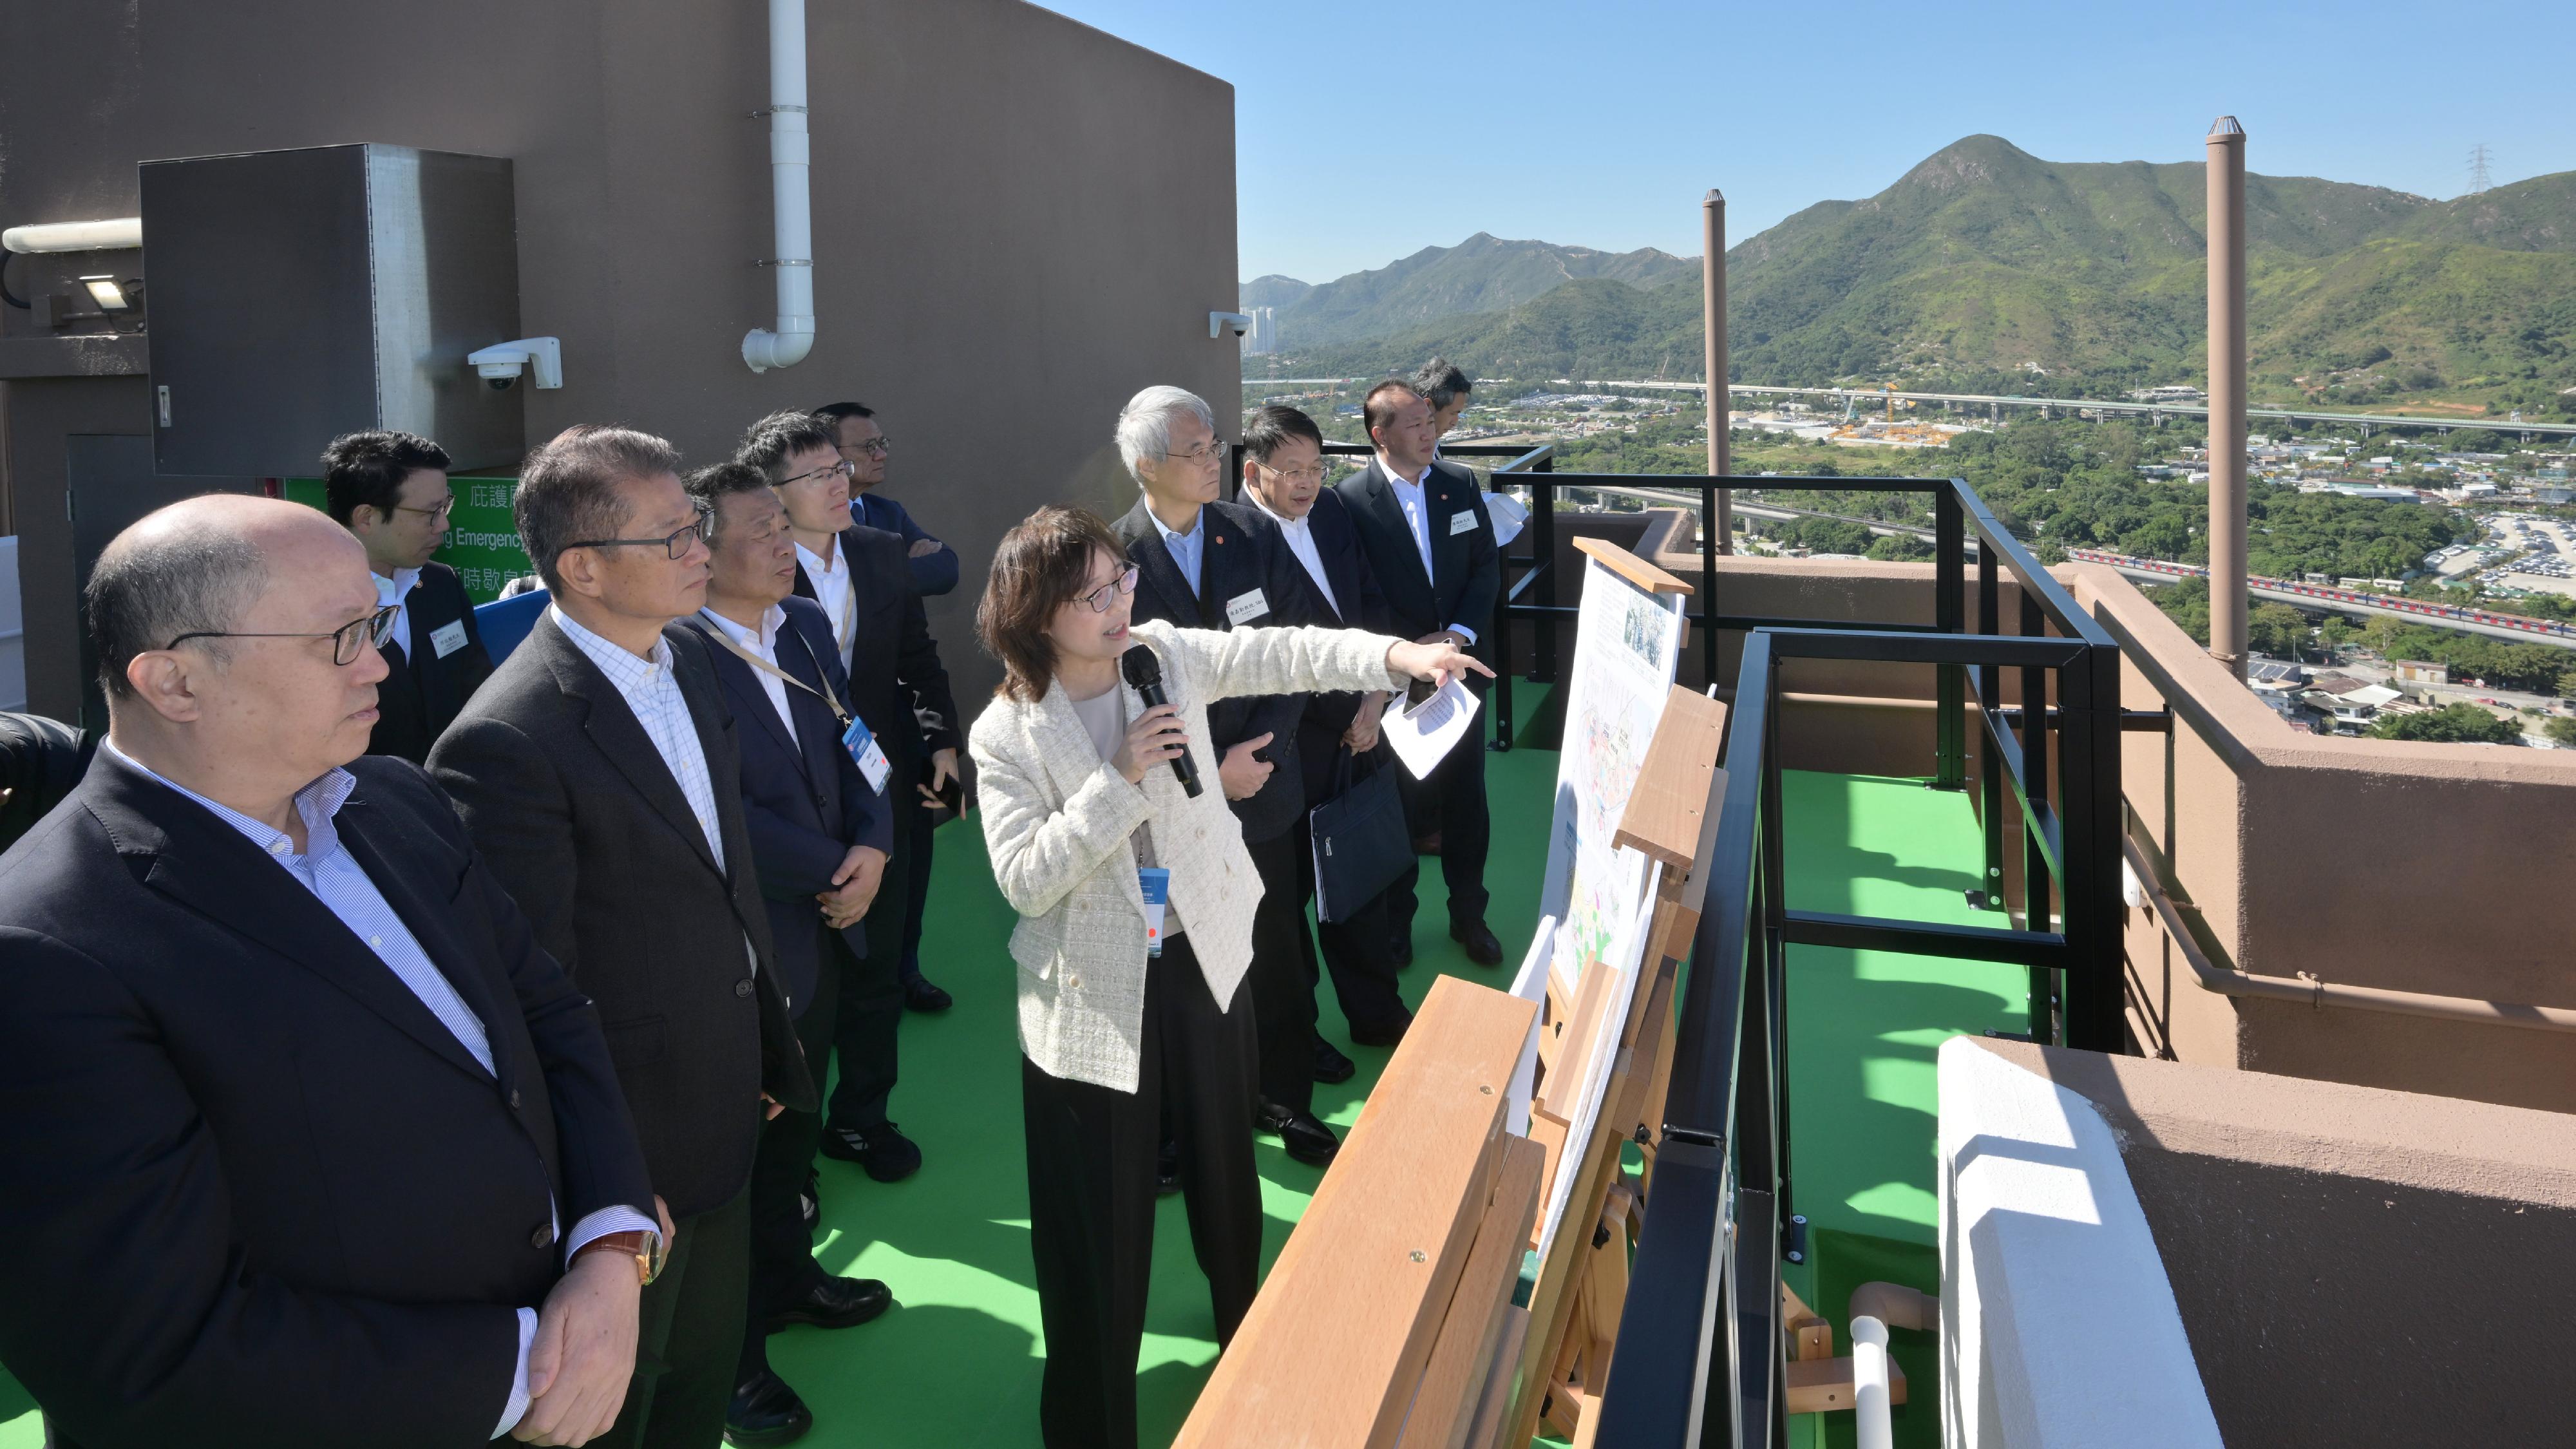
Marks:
<point>1983,260</point>
<point>1273,291</point>
<point>1481,274</point>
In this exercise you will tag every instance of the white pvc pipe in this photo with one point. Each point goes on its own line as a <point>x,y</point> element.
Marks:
<point>791,155</point>
<point>1869,1384</point>
<point>114,234</point>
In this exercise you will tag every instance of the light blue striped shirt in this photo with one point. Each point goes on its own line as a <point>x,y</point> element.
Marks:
<point>336,879</point>
<point>1186,549</point>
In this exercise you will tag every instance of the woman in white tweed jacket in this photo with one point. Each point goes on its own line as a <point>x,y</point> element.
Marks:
<point>1076,792</point>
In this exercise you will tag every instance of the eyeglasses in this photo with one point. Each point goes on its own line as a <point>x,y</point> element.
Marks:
<point>876,445</point>
<point>345,640</point>
<point>842,469</point>
<point>1100,598</point>
<point>440,511</point>
<point>1312,473</point>
<point>677,544</point>
<point>1211,452</point>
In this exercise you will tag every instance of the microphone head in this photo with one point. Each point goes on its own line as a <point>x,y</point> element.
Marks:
<point>1140,667</point>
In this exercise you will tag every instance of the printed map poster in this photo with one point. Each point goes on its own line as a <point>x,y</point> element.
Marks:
<point>1627,644</point>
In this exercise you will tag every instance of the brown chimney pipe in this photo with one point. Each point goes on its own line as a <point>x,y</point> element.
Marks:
<point>2226,231</point>
<point>1713,329</point>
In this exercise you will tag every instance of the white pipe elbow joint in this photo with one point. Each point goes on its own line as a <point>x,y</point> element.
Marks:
<point>763,349</point>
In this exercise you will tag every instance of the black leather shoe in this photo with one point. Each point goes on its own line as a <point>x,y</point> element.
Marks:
<point>1380,1036</point>
<point>920,995</point>
<point>765,1411</point>
<point>835,1303</point>
<point>1330,1065</point>
<point>1482,947</point>
<point>1167,1169</point>
<point>809,1203</point>
<point>1306,1139</point>
<point>886,1154</point>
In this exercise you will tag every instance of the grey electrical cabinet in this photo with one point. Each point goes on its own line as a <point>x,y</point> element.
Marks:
<point>298,295</point>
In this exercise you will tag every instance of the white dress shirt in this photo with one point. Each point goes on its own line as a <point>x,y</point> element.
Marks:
<point>341,884</point>
<point>648,689</point>
<point>834,591</point>
<point>1300,533</point>
<point>1410,497</point>
<point>763,642</point>
<point>397,590</point>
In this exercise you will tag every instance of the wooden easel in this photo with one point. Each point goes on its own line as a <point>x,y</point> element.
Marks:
<point>1582,1285</point>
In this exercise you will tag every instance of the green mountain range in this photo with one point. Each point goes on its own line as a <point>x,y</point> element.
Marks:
<point>1481,274</point>
<point>1984,262</point>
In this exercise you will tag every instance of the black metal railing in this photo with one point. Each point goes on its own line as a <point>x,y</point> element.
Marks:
<point>1701,1358</point>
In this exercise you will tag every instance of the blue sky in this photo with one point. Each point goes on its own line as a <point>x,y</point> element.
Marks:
<point>1602,123</point>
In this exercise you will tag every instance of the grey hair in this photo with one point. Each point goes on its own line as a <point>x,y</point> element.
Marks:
<point>1440,381</point>
<point>149,589</point>
<point>1145,424</point>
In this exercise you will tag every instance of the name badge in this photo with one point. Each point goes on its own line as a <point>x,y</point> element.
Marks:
<point>1462,521</point>
<point>1244,608</point>
<point>863,749</point>
<point>447,638</point>
<point>1156,883</point>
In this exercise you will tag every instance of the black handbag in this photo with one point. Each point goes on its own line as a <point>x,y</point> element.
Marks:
<point>1362,844</point>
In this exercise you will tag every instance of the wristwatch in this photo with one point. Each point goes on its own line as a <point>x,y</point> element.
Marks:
<point>643,1245</point>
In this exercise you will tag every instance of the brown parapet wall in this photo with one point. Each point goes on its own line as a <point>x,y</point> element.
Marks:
<point>2444,870</point>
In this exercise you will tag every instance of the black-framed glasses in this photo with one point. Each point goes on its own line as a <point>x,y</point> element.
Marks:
<point>1100,598</point>
<point>677,544</point>
<point>841,468</point>
<point>876,445</point>
<point>346,640</point>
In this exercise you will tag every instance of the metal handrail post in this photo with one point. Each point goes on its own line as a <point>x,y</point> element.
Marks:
<point>1543,513</point>
<point>1708,541</point>
<point>2089,816</point>
<point>1949,616</point>
<point>2047,988</point>
<point>1990,782</point>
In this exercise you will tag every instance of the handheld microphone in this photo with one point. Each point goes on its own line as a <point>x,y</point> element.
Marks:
<point>1145,676</point>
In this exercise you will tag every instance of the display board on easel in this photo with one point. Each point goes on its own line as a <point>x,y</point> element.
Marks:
<point>1627,645</point>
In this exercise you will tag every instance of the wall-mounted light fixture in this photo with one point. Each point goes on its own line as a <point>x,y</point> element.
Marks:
<point>108,293</point>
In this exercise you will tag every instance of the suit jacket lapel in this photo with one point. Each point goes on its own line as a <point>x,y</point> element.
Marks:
<point>820,736</point>
<point>430,923</point>
<point>743,683</point>
<point>1172,598</point>
<point>724,766</point>
<point>208,866</point>
<point>612,726</point>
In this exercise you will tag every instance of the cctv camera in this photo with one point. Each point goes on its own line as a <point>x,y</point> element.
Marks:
<point>1221,322</point>
<point>499,366</point>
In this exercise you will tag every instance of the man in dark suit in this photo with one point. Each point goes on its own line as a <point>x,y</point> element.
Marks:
<point>302,1122</point>
<point>1432,547</point>
<point>864,446</point>
<point>1283,477</point>
<point>819,833</point>
<point>1204,564</point>
<point>858,577</point>
<point>390,490</point>
<point>598,772</point>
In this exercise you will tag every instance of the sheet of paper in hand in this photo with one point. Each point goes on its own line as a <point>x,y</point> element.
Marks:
<point>1422,734</point>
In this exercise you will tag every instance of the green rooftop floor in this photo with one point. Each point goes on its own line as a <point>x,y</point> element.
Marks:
<point>957,1364</point>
